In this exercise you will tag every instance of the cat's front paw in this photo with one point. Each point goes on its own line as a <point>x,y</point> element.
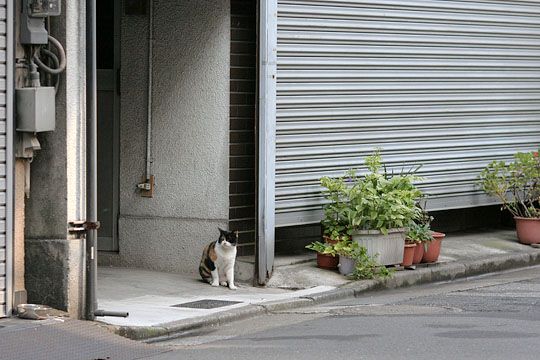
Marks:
<point>214,283</point>
<point>232,287</point>
<point>223,283</point>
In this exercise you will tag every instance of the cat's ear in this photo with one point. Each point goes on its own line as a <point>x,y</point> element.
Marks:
<point>221,231</point>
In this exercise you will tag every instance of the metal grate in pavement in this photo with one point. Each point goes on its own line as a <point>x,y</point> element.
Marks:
<point>206,304</point>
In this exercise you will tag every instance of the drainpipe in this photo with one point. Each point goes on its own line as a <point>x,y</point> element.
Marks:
<point>91,225</point>
<point>150,80</point>
<point>91,175</point>
<point>147,186</point>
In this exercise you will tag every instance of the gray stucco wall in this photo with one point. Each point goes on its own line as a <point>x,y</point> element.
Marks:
<point>189,138</point>
<point>54,259</point>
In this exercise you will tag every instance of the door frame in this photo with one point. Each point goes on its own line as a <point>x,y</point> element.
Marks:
<point>110,79</point>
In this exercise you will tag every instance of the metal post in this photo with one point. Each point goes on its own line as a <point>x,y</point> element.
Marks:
<point>267,139</point>
<point>92,223</point>
<point>91,177</point>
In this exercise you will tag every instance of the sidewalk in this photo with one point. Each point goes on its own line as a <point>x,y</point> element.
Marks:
<point>66,339</point>
<point>162,305</point>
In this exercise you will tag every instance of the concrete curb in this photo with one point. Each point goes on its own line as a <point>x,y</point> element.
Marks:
<point>431,274</point>
<point>179,328</point>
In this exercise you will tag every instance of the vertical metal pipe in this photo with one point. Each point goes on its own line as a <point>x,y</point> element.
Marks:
<point>267,139</point>
<point>91,139</point>
<point>10,47</point>
<point>149,89</point>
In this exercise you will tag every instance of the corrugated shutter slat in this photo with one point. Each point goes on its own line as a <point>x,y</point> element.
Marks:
<point>448,84</point>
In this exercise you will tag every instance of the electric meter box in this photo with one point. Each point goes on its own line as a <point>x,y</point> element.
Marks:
<point>44,8</point>
<point>34,13</point>
<point>35,108</point>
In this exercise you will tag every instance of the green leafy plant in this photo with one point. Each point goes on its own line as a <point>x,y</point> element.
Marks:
<point>334,222</point>
<point>347,248</point>
<point>516,184</point>
<point>322,248</point>
<point>367,267</point>
<point>379,200</point>
<point>419,233</point>
<point>419,230</point>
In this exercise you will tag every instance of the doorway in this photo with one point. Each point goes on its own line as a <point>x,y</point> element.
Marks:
<point>108,113</point>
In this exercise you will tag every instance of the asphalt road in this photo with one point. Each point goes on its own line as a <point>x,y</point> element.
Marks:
<point>492,317</point>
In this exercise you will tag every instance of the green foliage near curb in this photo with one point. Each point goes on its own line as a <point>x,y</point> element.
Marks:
<point>367,267</point>
<point>516,184</point>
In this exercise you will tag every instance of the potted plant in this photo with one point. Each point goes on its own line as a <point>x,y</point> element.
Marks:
<point>326,255</point>
<point>517,186</point>
<point>428,242</point>
<point>419,235</point>
<point>376,208</point>
<point>347,251</point>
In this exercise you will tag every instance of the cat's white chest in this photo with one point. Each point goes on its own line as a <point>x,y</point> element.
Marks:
<point>225,258</point>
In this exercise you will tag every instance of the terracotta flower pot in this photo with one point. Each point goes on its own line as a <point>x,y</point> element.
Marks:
<point>418,253</point>
<point>528,230</point>
<point>327,262</point>
<point>431,255</point>
<point>408,254</point>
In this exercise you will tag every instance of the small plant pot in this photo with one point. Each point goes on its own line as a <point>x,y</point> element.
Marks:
<point>528,230</point>
<point>418,253</point>
<point>408,254</point>
<point>433,250</point>
<point>327,262</point>
<point>346,265</point>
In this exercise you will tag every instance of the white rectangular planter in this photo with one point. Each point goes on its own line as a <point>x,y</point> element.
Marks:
<point>389,247</point>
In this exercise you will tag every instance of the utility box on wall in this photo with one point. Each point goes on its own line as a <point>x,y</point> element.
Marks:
<point>35,109</point>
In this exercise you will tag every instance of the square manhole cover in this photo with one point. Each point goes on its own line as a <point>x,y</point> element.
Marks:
<point>206,304</point>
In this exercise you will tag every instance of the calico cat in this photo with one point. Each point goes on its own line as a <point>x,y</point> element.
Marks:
<point>217,262</point>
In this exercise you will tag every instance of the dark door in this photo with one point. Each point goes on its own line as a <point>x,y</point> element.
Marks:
<point>108,101</point>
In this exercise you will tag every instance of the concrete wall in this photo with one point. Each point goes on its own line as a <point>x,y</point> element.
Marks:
<point>189,138</point>
<point>54,259</point>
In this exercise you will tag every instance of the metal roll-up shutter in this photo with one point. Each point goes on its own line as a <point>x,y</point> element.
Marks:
<point>451,85</point>
<point>4,264</point>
